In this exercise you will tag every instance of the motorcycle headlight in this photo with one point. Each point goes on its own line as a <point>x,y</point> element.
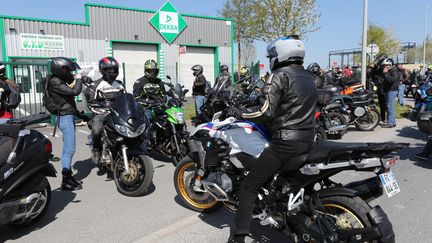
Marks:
<point>179,116</point>
<point>125,131</point>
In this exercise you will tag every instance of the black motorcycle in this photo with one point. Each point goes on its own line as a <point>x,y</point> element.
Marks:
<point>25,192</point>
<point>124,141</point>
<point>359,108</point>
<point>328,116</point>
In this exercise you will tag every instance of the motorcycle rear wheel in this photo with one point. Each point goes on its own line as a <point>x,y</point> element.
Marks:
<point>337,119</point>
<point>368,125</point>
<point>201,202</point>
<point>351,213</point>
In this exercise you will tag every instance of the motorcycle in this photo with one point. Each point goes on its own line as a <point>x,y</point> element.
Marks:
<point>358,108</point>
<point>300,200</point>
<point>168,131</point>
<point>123,144</point>
<point>329,117</point>
<point>25,193</point>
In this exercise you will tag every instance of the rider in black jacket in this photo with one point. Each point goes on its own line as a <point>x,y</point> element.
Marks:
<point>287,108</point>
<point>149,88</point>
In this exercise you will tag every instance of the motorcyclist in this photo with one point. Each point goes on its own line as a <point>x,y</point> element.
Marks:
<point>391,77</point>
<point>199,87</point>
<point>428,73</point>
<point>149,89</point>
<point>223,83</point>
<point>287,109</point>
<point>245,78</point>
<point>102,91</point>
<point>320,80</point>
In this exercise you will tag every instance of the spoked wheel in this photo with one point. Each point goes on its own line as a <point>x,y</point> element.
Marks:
<point>369,121</point>
<point>348,213</point>
<point>195,198</point>
<point>136,182</point>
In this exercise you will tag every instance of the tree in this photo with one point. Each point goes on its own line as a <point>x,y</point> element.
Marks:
<point>248,53</point>
<point>241,11</point>
<point>419,51</point>
<point>385,39</point>
<point>276,18</point>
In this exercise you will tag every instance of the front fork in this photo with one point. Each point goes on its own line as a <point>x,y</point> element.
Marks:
<point>174,133</point>
<point>125,158</point>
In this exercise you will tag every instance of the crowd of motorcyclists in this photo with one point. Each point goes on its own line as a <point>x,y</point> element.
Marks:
<point>285,104</point>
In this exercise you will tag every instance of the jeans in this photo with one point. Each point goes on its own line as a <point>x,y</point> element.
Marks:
<point>391,111</point>
<point>265,167</point>
<point>67,126</point>
<point>199,101</point>
<point>401,94</point>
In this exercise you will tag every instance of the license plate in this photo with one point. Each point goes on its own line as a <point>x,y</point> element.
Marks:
<point>389,183</point>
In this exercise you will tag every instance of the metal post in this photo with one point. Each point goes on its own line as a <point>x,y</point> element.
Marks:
<point>424,41</point>
<point>364,42</point>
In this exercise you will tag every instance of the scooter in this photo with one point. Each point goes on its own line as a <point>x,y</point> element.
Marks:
<point>25,192</point>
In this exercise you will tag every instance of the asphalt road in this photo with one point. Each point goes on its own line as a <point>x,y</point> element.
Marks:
<point>98,213</point>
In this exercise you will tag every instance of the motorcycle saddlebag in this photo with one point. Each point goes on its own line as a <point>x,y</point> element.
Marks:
<point>424,121</point>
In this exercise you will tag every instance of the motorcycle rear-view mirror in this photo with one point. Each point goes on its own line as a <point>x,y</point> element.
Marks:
<point>168,77</point>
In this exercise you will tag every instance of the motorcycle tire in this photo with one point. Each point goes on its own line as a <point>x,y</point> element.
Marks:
<point>201,202</point>
<point>179,155</point>
<point>370,126</point>
<point>35,218</point>
<point>347,208</point>
<point>140,178</point>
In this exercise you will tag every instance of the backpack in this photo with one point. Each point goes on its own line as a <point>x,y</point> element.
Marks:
<point>208,87</point>
<point>48,101</point>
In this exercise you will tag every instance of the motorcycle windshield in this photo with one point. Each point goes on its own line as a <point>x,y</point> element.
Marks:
<point>127,111</point>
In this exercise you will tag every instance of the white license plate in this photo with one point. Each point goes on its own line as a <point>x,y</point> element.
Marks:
<point>389,183</point>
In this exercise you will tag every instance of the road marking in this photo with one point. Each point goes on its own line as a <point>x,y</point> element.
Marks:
<point>171,229</point>
<point>83,131</point>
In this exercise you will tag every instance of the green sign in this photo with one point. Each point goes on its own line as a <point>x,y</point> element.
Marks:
<point>42,42</point>
<point>168,22</point>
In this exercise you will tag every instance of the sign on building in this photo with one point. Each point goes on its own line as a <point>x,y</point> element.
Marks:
<point>168,22</point>
<point>42,42</point>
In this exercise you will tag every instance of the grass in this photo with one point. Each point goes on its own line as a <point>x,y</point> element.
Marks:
<point>401,111</point>
<point>189,109</point>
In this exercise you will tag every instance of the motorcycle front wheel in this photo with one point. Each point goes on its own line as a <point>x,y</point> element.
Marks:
<point>139,178</point>
<point>184,182</point>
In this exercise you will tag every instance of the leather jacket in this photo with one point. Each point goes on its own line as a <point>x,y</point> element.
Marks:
<point>288,103</point>
<point>391,79</point>
<point>199,85</point>
<point>149,91</point>
<point>64,94</point>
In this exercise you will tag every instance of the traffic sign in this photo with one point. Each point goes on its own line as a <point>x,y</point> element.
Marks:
<point>372,49</point>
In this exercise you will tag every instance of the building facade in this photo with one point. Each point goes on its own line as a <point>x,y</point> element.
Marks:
<point>124,33</point>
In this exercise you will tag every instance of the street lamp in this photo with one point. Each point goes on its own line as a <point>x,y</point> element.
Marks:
<point>364,42</point>
<point>424,41</point>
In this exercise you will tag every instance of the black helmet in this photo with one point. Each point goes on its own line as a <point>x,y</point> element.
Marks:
<point>151,69</point>
<point>63,67</point>
<point>197,70</point>
<point>224,68</point>
<point>2,71</point>
<point>314,68</point>
<point>109,68</point>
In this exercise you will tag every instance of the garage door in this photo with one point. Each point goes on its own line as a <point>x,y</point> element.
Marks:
<point>193,56</point>
<point>134,56</point>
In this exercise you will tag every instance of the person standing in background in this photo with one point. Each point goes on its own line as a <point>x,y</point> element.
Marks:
<point>9,96</point>
<point>199,87</point>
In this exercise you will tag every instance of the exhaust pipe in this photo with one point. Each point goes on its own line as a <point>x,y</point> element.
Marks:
<point>337,128</point>
<point>215,190</point>
<point>20,209</point>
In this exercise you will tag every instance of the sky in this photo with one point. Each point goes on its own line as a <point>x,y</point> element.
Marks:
<point>340,22</point>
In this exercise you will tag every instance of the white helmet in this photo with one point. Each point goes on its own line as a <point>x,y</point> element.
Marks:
<point>387,61</point>
<point>285,49</point>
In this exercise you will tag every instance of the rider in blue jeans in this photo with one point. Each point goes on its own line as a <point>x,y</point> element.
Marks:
<point>199,87</point>
<point>391,76</point>
<point>63,87</point>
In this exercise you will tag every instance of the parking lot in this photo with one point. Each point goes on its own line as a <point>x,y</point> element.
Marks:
<point>98,213</point>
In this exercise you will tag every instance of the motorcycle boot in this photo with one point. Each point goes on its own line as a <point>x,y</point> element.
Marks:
<point>68,182</point>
